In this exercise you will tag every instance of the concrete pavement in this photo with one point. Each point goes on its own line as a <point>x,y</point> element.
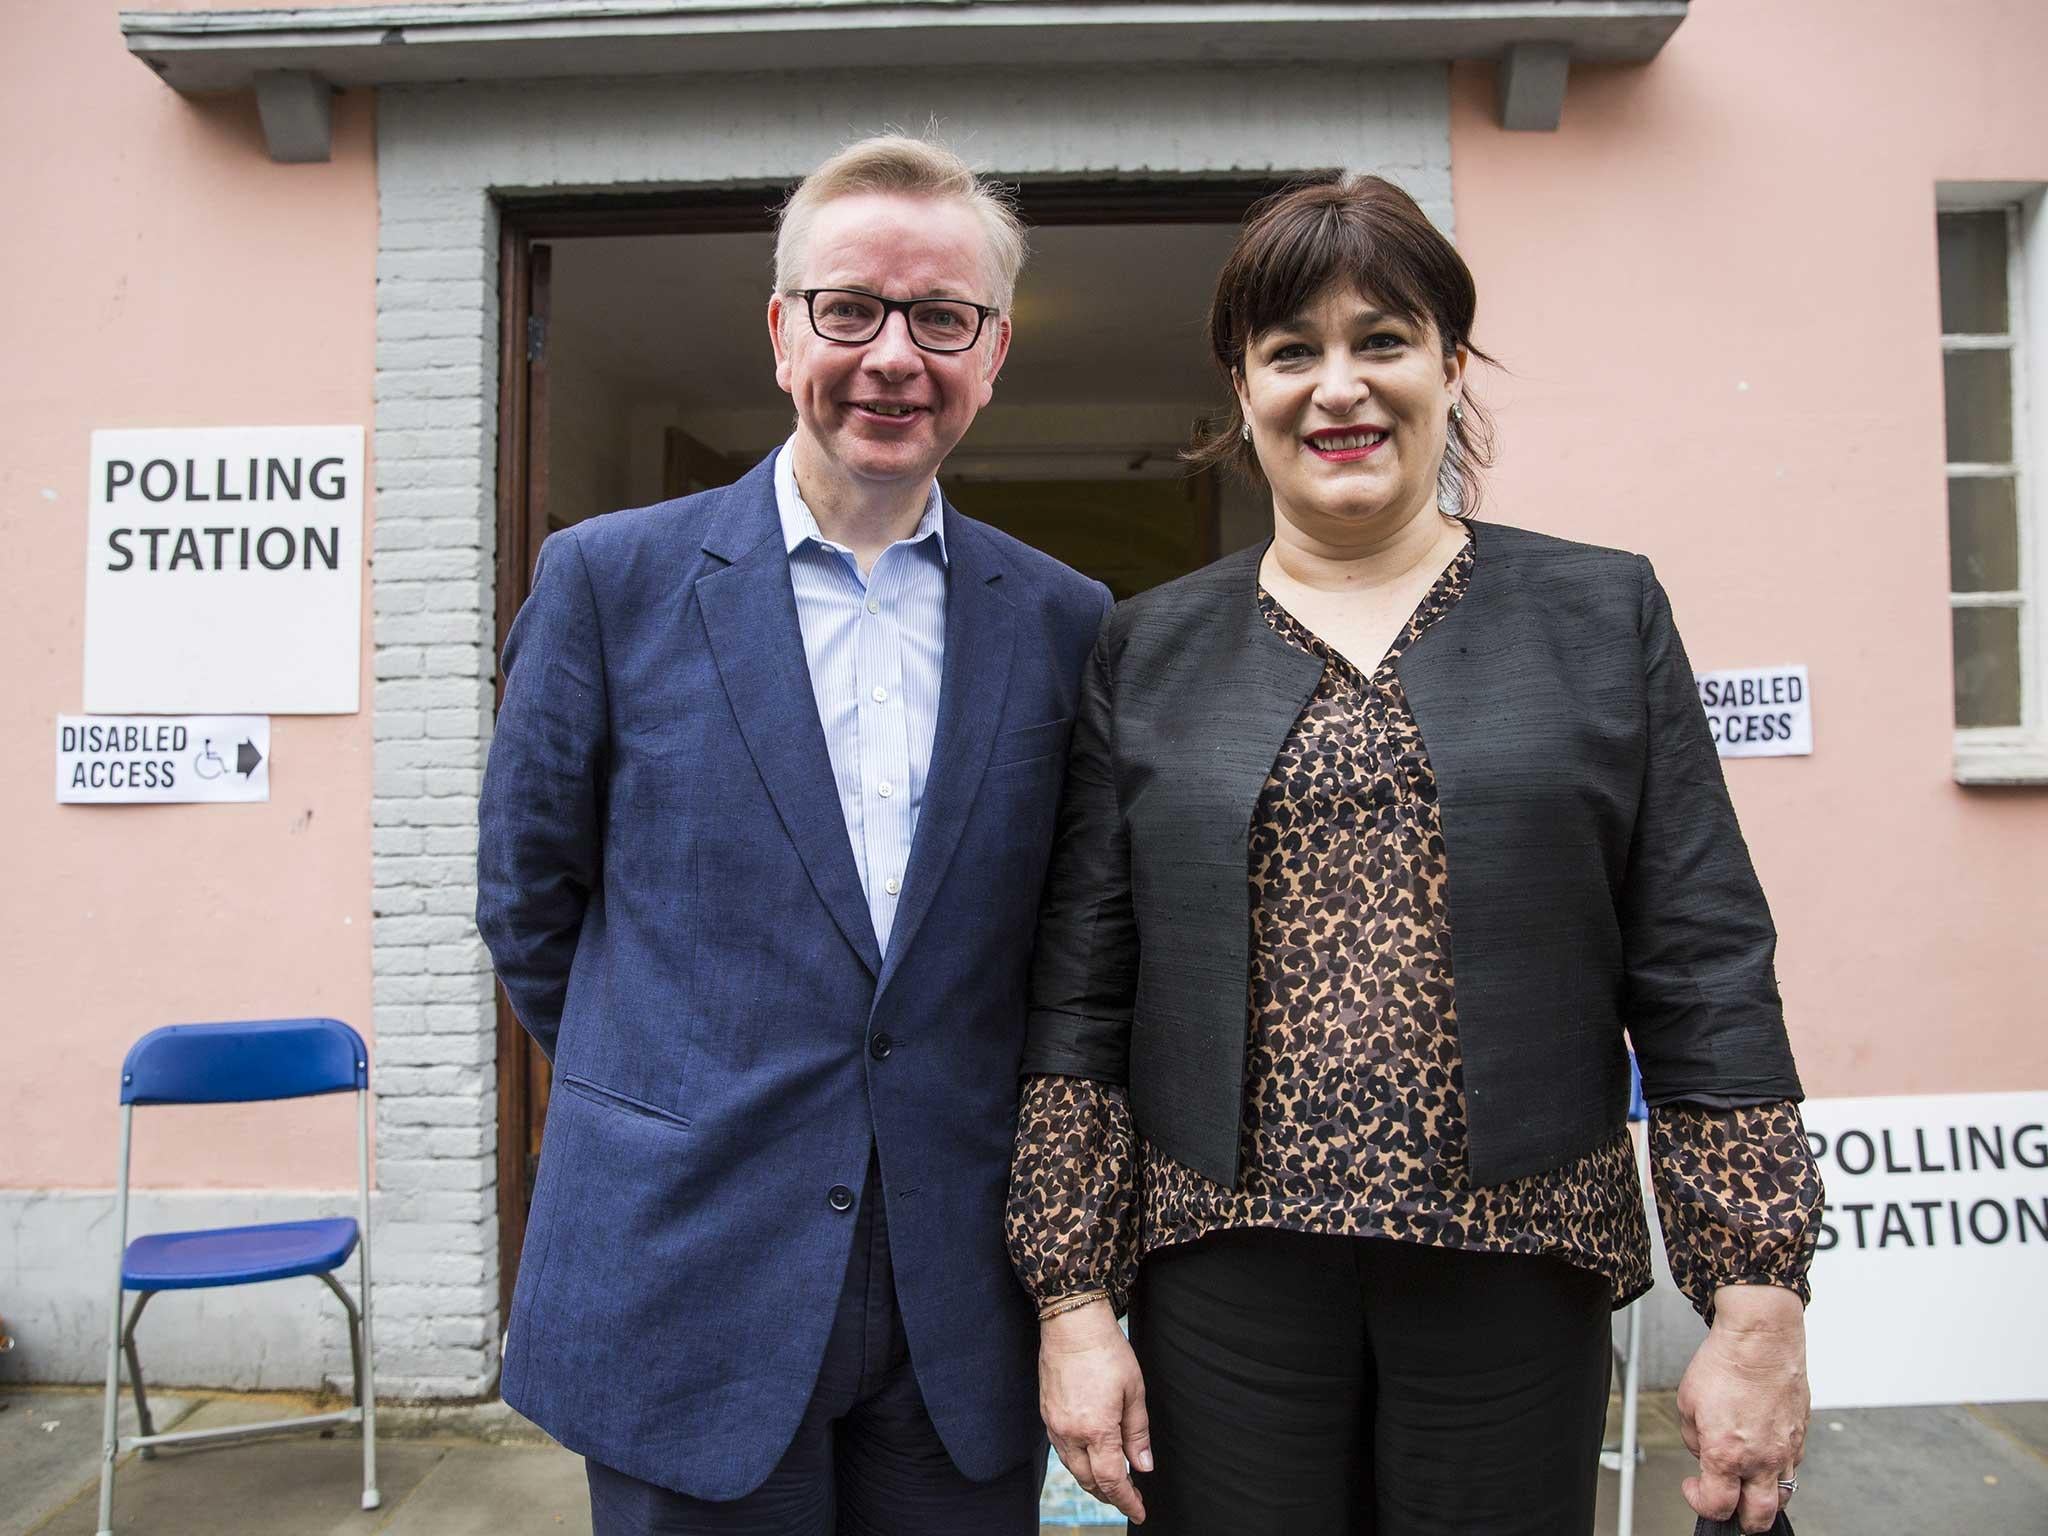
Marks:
<point>1940,1471</point>
<point>483,1471</point>
<point>479,1471</point>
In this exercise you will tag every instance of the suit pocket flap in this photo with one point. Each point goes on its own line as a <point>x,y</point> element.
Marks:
<point>611,1098</point>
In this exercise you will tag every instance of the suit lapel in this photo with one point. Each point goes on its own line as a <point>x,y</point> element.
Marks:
<point>980,625</point>
<point>749,613</point>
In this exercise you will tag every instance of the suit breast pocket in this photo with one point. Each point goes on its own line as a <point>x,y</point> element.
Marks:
<point>1031,741</point>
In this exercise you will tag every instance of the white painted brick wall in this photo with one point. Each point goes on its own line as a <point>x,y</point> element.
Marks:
<point>56,1254</point>
<point>442,152</point>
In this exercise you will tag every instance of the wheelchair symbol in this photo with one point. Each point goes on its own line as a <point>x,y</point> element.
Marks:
<point>207,763</point>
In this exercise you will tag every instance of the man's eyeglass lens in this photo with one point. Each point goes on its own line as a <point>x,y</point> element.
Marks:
<point>937,325</point>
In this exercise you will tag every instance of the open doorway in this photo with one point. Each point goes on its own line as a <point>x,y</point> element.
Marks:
<point>636,367</point>
<point>659,383</point>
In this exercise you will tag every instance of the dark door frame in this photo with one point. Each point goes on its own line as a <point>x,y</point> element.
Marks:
<point>527,227</point>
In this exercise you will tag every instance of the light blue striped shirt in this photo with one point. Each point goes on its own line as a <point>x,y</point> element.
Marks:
<point>877,650</point>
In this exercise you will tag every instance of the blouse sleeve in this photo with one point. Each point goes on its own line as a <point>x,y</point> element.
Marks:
<point>1739,1195</point>
<point>1072,1221</point>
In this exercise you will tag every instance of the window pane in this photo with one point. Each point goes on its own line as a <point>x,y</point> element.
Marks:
<point>1973,273</point>
<point>1983,535</point>
<point>1979,396</point>
<point>1987,666</point>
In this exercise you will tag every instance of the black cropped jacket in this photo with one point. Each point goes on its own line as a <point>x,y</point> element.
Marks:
<point>1598,882</point>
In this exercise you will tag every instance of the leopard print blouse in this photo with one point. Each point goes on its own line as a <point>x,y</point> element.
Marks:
<point>1354,1111</point>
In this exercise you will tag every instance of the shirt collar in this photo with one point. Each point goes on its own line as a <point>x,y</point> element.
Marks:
<point>800,526</point>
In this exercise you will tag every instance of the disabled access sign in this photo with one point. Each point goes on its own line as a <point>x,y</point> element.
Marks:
<point>162,759</point>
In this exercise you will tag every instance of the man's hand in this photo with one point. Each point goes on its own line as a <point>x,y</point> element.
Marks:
<point>1743,1405</point>
<point>1092,1398</point>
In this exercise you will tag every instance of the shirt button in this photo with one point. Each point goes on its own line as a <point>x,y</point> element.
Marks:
<point>881,695</point>
<point>892,885</point>
<point>879,1047</point>
<point>874,605</point>
<point>840,1199</point>
<point>885,789</point>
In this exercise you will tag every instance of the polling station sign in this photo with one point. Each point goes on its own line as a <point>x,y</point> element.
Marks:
<point>1758,711</point>
<point>162,759</point>
<point>224,571</point>
<point>1932,1259</point>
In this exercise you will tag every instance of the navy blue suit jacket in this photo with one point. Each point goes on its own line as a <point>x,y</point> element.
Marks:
<point>668,892</point>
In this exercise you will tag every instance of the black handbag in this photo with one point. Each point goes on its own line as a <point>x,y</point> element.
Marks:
<point>1728,1527</point>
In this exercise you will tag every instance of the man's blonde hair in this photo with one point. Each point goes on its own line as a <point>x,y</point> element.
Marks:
<point>908,167</point>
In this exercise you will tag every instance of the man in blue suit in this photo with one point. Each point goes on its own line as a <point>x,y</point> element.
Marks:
<point>767,811</point>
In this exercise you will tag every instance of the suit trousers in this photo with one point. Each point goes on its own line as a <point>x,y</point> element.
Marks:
<point>1304,1385</point>
<point>865,1460</point>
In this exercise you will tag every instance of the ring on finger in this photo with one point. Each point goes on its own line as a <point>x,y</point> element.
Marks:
<point>1787,1486</point>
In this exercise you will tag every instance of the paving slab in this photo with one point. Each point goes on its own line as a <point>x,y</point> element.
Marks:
<point>1871,1469</point>
<point>494,1491</point>
<point>50,1446</point>
<point>2026,1423</point>
<point>1919,1469</point>
<point>299,1485</point>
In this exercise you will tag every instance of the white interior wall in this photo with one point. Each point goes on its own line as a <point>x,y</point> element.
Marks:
<point>589,441</point>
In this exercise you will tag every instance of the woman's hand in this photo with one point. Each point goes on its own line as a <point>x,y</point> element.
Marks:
<point>1743,1405</point>
<point>1092,1398</point>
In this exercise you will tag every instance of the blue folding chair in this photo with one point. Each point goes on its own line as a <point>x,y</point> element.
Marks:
<point>235,1064</point>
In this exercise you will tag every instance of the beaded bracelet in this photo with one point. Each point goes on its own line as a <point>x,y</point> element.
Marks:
<point>1053,1309</point>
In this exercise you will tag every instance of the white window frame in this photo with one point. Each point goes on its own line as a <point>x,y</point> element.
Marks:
<point>2015,754</point>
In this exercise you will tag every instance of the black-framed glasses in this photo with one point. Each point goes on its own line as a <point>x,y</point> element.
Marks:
<point>854,316</point>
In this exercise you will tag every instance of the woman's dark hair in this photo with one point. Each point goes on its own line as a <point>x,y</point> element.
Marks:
<point>1362,232</point>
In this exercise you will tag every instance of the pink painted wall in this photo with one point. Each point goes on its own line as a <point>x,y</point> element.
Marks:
<point>161,271</point>
<point>1715,287</point>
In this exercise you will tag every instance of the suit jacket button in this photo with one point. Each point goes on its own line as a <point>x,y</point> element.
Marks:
<point>841,1198</point>
<point>879,1046</point>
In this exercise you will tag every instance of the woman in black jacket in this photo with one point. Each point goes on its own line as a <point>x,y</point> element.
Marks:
<point>1375,841</point>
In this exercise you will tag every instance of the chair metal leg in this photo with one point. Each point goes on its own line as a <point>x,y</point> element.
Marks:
<point>366,1364</point>
<point>355,1335</point>
<point>110,1442</point>
<point>148,1425</point>
<point>1631,1391</point>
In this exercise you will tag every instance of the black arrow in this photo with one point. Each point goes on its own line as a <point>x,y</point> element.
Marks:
<point>246,758</point>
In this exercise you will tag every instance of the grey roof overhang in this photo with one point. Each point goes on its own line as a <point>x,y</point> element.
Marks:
<point>410,44</point>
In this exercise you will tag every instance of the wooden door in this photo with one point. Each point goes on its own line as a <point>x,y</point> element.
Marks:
<point>527,226</point>
<point>522,525</point>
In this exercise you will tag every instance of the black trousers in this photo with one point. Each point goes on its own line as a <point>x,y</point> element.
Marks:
<point>1301,1385</point>
<point>865,1461</point>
